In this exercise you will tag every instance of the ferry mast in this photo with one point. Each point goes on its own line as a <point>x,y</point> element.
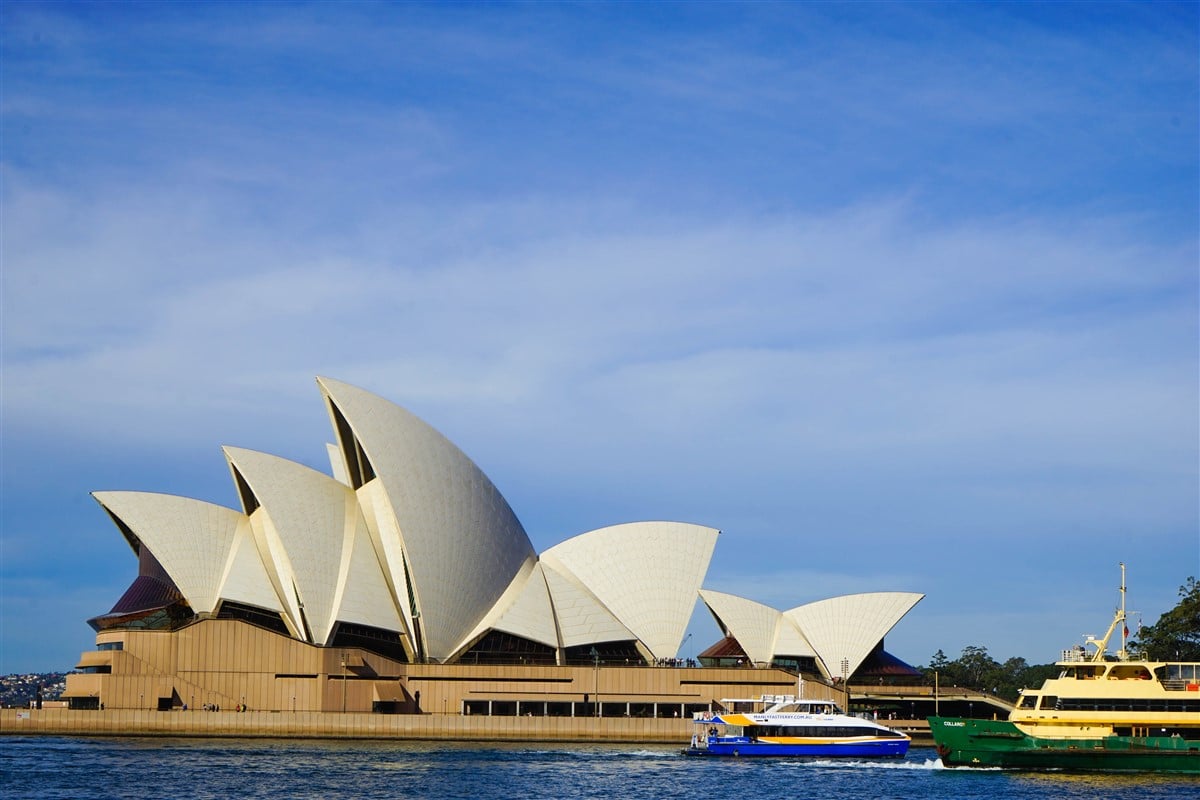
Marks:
<point>1101,645</point>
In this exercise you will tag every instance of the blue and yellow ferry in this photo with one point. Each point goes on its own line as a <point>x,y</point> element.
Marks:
<point>789,726</point>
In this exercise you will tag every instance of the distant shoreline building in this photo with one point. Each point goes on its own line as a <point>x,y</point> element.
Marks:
<point>402,582</point>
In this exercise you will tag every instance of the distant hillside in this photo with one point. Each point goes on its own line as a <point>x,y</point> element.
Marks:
<point>19,690</point>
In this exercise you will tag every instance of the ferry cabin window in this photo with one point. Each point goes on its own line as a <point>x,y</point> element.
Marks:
<point>1142,704</point>
<point>1130,672</point>
<point>820,731</point>
<point>1028,701</point>
<point>1182,672</point>
<point>1049,703</point>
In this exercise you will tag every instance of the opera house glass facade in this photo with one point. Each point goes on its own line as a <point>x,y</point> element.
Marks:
<point>403,582</point>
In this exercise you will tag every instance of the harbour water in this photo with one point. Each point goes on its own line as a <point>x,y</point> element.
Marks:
<point>145,768</point>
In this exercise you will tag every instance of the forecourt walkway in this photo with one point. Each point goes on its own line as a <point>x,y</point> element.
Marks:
<point>330,725</point>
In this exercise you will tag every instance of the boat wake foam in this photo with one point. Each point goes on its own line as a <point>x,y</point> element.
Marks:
<point>855,763</point>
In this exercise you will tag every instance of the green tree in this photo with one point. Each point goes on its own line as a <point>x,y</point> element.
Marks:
<point>977,666</point>
<point>1176,635</point>
<point>939,661</point>
<point>949,672</point>
<point>977,670</point>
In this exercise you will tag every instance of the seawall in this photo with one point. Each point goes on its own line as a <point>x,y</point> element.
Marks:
<point>328,725</point>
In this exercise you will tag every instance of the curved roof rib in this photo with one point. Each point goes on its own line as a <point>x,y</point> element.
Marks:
<point>337,464</point>
<point>364,595</point>
<point>246,580</point>
<point>754,625</point>
<point>384,534</point>
<point>191,539</point>
<point>311,523</point>
<point>646,573</point>
<point>462,543</point>
<point>524,610</point>
<point>582,619</point>
<point>790,641</point>
<point>849,627</point>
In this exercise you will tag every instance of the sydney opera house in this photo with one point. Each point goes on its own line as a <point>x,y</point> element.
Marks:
<point>402,582</point>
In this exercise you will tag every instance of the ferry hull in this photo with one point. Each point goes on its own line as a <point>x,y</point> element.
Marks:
<point>894,748</point>
<point>987,743</point>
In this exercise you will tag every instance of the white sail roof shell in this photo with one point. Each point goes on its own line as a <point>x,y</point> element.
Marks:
<point>245,579</point>
<point>384,533</point>
<point>754,625</point>
<point>194,542</point>
<point>849,627</point>
<point>314,521</point>
<point>524,610</point>
<point>363,593</point>
<point>463,543</point>
<point>646,573</point>
<point>582,619</point>
<point>790,641</point>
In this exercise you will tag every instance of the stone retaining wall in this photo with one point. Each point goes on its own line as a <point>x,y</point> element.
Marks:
<point>336,725</point>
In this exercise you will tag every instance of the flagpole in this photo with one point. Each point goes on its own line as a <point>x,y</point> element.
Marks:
<point>1123,655</point>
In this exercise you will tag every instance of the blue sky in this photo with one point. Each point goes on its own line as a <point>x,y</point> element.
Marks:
<point>898,296</point>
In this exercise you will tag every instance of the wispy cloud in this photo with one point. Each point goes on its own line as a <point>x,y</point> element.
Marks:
<point>829,278</point>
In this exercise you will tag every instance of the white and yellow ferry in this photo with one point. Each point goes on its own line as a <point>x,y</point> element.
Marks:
<point>1100,712</point>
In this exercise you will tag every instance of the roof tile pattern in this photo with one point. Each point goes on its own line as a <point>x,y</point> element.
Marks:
<point>464,545</point>
<point>245,577</point>
<point>790,641</point>
<point>754,625</point>
<point>313,523</point>
<point>849,627</point>
<point>190,538</point>
<point>363,593</point>
<point>646,573</point>
<point>384,533</point>
<point>582,619</point>
<point>523,611</point>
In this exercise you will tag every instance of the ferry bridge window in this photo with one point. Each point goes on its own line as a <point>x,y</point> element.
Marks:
<point>1049,703</point>
<point>1028,701</point>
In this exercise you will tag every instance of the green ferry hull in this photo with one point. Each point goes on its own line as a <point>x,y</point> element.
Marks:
<point>988,743</point>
